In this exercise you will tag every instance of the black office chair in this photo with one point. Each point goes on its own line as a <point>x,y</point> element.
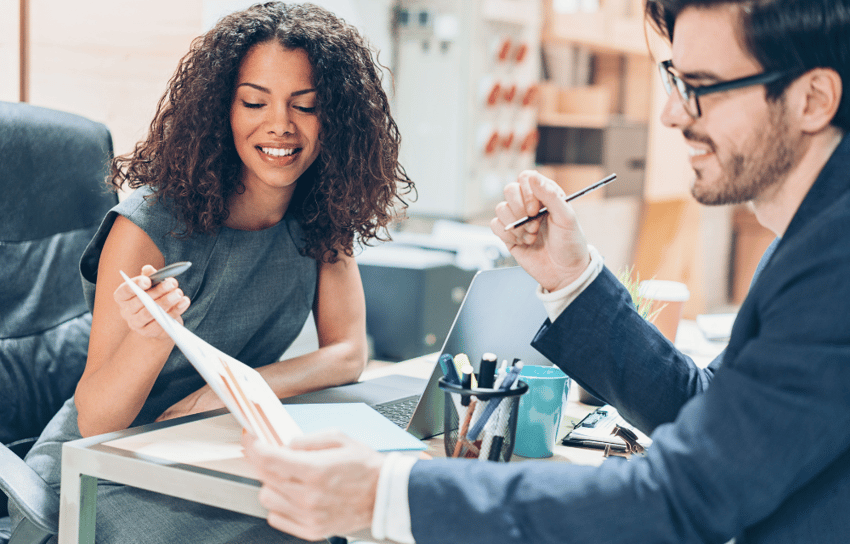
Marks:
<point>52,199</point>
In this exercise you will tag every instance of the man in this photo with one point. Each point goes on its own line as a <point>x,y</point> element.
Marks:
<point>756,446</point>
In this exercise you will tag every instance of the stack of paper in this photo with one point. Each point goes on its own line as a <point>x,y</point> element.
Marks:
<point>253,403</point>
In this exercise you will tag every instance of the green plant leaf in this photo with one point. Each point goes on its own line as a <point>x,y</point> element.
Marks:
<point>631,281</point>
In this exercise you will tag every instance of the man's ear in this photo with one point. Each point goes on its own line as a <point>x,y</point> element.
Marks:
<point>820,93</point>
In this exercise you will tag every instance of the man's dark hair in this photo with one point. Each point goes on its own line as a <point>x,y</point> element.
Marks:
<point>189,158</point>
<point>793,36</point>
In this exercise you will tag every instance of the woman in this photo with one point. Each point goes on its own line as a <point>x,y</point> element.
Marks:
<point>272,153</point>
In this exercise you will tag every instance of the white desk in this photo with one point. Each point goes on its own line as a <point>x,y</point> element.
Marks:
<point>199,458</point>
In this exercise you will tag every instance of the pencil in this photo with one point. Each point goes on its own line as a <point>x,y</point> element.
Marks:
<point>461,435</point>
<point>543,210</point>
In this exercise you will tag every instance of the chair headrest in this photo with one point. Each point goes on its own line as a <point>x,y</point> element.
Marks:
<point>53,167</point>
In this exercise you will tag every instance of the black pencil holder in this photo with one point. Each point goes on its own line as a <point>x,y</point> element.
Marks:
<point>495,413</point>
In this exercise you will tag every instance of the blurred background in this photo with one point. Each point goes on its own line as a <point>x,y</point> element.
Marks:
<point>481,90</point>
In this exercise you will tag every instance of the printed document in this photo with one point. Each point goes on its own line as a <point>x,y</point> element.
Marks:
<point>242,389</point>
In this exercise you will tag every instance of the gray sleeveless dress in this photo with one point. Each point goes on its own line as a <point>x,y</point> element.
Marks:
<point>251,293</point>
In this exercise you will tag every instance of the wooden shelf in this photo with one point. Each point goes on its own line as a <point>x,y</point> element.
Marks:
<point>598,30</point>
<point>577,120</point>
<point>582,107</point>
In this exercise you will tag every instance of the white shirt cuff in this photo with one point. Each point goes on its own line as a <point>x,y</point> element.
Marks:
<point>557,301</point>
<point>391,516</point>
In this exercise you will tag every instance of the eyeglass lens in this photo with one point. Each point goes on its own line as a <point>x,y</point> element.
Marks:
<point>686,92</point>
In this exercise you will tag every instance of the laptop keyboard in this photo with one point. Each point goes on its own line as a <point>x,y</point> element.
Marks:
<point>398,411</point>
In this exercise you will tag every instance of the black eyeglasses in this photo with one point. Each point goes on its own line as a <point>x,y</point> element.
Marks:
<point>690,94</point>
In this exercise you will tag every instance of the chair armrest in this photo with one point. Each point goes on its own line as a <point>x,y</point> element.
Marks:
<point>36,500</point>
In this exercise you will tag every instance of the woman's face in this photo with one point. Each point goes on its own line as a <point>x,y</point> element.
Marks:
<point>273,117</point>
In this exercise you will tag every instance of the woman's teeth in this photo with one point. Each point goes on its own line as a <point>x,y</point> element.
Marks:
<point>277,152</point>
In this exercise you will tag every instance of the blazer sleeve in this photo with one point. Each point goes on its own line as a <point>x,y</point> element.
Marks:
<point>606,346</point>
<point>766,444</point>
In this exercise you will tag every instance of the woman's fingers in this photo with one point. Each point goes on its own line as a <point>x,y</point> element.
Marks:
<point>166,294</point>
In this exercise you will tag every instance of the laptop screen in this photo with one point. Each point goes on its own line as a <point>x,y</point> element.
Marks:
<point>500,314</point>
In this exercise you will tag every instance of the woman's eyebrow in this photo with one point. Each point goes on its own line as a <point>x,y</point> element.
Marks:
<point>255,86</point>
<point>268,91</point>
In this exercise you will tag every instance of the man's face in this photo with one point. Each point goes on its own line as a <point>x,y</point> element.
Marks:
<point>741,147</point>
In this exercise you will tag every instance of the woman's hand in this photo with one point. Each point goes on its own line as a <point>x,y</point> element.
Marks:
<point>202,400</point>
<point>167,295</point>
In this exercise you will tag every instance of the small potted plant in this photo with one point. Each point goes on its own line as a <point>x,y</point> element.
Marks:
<point>644,306</point>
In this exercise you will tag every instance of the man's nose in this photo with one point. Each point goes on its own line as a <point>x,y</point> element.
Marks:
<point>674,114</point>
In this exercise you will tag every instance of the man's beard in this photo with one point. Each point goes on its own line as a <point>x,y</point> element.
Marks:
<point>745,177</point>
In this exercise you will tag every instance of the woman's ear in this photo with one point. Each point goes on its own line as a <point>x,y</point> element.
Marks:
<point>820,93</point>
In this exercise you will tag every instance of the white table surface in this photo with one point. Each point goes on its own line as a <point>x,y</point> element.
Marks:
<point>200,458</point>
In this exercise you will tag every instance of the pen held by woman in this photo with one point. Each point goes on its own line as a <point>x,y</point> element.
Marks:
<point>543,211</point>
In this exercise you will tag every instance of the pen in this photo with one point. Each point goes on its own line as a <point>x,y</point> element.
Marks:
<point>594,444</point>
<point>488,432</point>
<point>543,210</point>
<point>503,413</point>
<point>169,271</point>
<point>510,378</point>
<point>461,435</point>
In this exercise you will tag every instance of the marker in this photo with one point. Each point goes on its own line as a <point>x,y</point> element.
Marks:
<point>488,432</point>
<point>506,384</point>
<point>449,370</point>
<point>466,383</point>
<point>461,360</point>
<point>502,416</point>
<point>174,269</point>
<point>487,371</point>
<point>543,210</point>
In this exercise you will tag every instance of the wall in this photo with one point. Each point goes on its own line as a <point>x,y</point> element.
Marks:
<point>9,51</point>
<point>107,60</point>
<point>110,60</point>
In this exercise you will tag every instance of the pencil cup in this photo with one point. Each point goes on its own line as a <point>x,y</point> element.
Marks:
<point>483,428</point>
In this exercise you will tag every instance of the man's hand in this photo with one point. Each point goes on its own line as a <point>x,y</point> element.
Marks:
<point>553,248</point>
<point>321,485</point>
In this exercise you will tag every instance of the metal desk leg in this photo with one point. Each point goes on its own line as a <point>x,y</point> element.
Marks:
<point>77,502</point>
<point>88,508</point>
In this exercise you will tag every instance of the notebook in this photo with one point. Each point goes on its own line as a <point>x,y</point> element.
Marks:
<point>500,314</point>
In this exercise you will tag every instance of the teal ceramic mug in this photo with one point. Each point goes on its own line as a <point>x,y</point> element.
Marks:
<point>539,413</point>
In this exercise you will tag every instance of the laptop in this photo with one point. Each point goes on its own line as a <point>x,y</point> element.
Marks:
<point>500,314</point>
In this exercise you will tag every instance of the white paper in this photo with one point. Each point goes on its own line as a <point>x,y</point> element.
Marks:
<point>242,389</point>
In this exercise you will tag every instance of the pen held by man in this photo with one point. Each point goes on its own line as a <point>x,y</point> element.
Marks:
<point>553,250</point>
<point>592,187</point>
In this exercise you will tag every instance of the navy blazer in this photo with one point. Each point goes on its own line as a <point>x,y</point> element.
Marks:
<point>756,446</point>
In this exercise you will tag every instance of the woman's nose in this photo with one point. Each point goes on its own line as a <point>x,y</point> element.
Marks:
<point>280,122</point>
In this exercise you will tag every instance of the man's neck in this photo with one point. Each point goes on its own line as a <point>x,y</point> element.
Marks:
<point>775,209</point>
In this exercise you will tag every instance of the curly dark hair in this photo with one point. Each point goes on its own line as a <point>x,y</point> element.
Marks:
<point>190,161</point>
